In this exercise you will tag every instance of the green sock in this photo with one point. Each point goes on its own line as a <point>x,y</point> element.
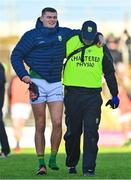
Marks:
<point>41,160</point>
<point>53,155</point>
<point>52,161</point>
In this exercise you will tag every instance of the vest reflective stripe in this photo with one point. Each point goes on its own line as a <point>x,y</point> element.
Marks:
<point>87,73</point>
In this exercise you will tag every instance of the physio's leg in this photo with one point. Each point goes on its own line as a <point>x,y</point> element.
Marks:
<point>92,116</point>
<point>73,120</point>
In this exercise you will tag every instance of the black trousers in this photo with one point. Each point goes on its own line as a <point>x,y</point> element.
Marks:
<point>5,148</point>
<point>82,115</point>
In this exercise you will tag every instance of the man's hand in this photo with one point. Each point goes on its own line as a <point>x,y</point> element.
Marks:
<point>114,102</point>
<point>101,41</point>
<point>27,80</point>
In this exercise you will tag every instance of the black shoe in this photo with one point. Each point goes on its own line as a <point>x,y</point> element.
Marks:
<point>89,173</point>
<point>72,170</point>
<point>52,164</point>
<point>41,170</point>
<point>3,155</point>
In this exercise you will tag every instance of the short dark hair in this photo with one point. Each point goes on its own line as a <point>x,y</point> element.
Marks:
<point>48,9</point>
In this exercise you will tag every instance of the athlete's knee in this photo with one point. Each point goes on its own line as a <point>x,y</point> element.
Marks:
<point>57,123</point>
<point>40,127</point>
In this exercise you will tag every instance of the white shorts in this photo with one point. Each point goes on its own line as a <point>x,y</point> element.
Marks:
<point>20,111</point>
<point>48,92</point>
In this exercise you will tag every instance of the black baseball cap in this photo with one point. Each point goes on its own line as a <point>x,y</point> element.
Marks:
<point>89,30</point>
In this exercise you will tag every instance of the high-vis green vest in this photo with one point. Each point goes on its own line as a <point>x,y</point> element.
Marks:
<point>83,74</point>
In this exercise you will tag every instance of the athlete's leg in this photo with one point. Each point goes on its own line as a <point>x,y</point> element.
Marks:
<point>39,111</point>
<point>56,111</point>
<point>40,121</point>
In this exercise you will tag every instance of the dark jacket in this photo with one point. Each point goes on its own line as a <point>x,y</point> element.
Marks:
<point>109,72</point>
<point>43,50</point>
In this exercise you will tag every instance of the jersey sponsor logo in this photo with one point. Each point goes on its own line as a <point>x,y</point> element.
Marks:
<point>86,58</point>
<point>83,64</point>
<point>89,29</point>
<point>89,61</point>
<point>60,38</point>
<point>41,42</point>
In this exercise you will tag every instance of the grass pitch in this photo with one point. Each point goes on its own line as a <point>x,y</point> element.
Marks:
<point>112,163</point>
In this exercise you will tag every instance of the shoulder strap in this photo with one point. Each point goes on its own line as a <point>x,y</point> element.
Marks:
<point>76,51</point>
<point>73,53</point>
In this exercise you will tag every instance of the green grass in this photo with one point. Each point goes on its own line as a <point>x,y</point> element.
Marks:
<point>112,163</point>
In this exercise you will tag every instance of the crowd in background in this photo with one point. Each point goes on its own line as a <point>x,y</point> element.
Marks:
<point>120,48</point>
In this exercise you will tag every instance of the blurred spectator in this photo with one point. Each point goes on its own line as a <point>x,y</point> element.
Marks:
<point>128,44</point>
<point>125,115</point>
<point>125,101</point>
<point>113,45</point>
<point>19,107</point>
<point>5,149</point>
